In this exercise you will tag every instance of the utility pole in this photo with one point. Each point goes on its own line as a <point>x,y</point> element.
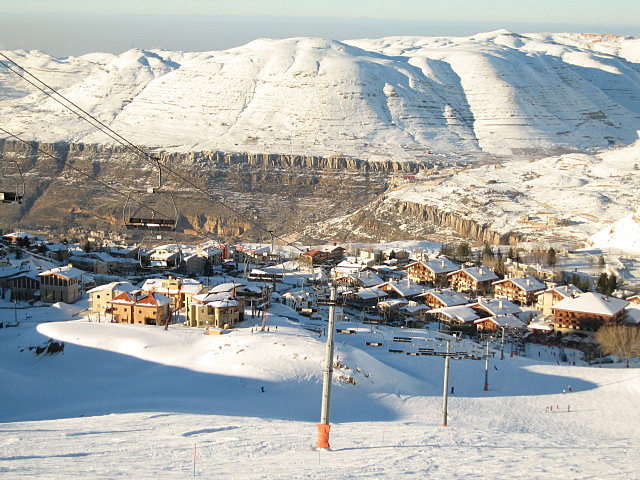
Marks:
<point>445,386</point>
<point>486,369</point>
<point>323,426</point>
<point>502,345</point>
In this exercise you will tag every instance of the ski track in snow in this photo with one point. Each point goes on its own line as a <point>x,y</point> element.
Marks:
<point>125,401</point>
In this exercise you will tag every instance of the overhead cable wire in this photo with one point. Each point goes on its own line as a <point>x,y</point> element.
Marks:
<point>76,169</point>
<point>126,143</point>
<point>91,177</point>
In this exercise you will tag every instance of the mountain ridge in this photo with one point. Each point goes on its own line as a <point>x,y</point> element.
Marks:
<point>396,97</point>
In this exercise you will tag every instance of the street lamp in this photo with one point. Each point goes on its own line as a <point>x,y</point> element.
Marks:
<point>502,345</point>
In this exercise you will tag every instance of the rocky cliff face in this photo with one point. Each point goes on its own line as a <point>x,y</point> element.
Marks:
<point>232,196</point>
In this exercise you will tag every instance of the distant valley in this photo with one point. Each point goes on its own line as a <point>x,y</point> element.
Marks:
<point>362,140</point>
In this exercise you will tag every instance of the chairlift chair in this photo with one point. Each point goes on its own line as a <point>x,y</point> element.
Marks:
<point>12,187</point>
<point>137,215</point>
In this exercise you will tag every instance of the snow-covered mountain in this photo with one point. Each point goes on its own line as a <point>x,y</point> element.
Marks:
<point>391,98</point>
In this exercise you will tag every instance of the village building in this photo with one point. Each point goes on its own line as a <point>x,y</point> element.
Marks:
<point>268,274</point>
<point>302,301</point>
<point>24,285</point>
<point>520,290</point>
<point>123,251</point>
<point>62,284</point>
<point>401,289</point>
<point>141,308</point>
<point>88,264</point>
<point>438,298</point>
<point>177,289</point>
<point>364,298</point>
<point>490,307</point>
<point>213,310</point>
<point>214,255</point>
<point>321,257</point>
<point>477,280</point>
<point>390,309</point>
<point>415,312</point>
<point>588,312</point>
<point>634,299</point>
<point>362,278</point>
<point>459,317</point>
<point>251,255</point>
<point>166,257</point>
<point>500,324</point>
<point>57,251</point>
<point>549,297</point>
<point>100,296</point>
<point>434,271</point>
<point>16,238</point>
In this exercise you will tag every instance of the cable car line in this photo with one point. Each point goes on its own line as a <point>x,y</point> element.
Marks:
<point>126,143</point>
<point>76,169</point>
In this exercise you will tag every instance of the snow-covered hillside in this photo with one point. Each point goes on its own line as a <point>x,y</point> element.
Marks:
<point>391,98</point>
<point>137,400</point>
<point>564,198</point>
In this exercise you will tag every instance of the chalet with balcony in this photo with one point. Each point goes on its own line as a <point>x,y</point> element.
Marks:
<point>549,297</point>
<point>520,290</point>
<point>588,312</point>
<point>401,289</point>
<point>477,280</point>
<point>433,271</point>
<point>438,298</point>
<point>365,297</point>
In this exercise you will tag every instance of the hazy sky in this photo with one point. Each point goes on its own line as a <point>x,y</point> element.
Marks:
<point>74,27</point>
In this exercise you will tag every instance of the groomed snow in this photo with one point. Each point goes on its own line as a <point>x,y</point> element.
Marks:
<point>134,401</point>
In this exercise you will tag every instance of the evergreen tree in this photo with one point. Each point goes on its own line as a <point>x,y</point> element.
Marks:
<point>551,257</point>
<point>499,267</point>
<point>603,284</point>
<point>464,251</point>
<point>612,284</point>
<point>601,262</point>
<point>446,250</point>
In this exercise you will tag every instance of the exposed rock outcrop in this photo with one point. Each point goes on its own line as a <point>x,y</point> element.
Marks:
<point>247,194</point>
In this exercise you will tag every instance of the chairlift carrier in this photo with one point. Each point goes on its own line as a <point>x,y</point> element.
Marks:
<point>12,187</point>
<point>153,222</point>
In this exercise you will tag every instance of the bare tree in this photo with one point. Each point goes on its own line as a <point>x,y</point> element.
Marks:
<point>620,340</point>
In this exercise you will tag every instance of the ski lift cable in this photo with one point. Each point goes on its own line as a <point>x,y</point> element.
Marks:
<point>111,135</point>
<point>76,169</point>
<point>126,143</point>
